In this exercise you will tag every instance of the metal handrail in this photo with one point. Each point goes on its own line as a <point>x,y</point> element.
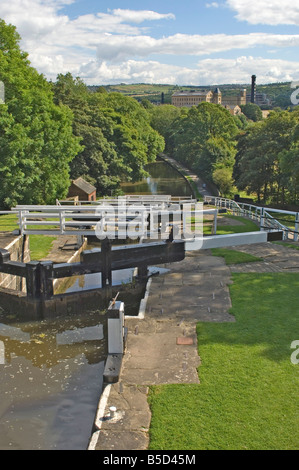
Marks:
<point>260,214</point>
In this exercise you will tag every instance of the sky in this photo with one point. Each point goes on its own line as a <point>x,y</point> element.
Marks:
<point>191,42</point>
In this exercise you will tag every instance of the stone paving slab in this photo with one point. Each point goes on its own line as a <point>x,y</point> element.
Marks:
<point>158,359</point>
<point>162,348</point>
<point>62,249</point>
<point>277,258</point>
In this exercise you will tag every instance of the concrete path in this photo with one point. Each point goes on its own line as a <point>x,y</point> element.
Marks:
<point>276,258</point>
<point>162,347</point>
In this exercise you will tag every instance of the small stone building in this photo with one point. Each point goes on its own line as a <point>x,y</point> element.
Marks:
<point>84,190</point>
<point>234,110</point>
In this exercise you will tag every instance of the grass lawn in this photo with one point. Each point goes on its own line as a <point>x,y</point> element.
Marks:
<point>40,245</point>
<point>234,256</point>
<point>248,392</point>
<point>8,223</point>
<point>293,245</point>
<point>246,225</point>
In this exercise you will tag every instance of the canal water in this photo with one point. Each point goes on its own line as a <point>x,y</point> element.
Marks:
<point>163,179</point>
<point>51,371</point>
<point>50,382</point>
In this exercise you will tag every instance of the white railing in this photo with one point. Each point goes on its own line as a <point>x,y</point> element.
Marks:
<point>261,215</point>
<point>114,221</point>
<point>73,220</point>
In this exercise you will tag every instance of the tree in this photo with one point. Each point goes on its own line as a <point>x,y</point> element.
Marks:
<point>263,153</point>
<point>203,137</point>
<point>98,161</point>
<point>162,119</point>
<point>117,138</point>
<point>252,111</point>
<point>37,143</point>
<point>136,142</point>
<point>222,177</point>
<point>289,162</point>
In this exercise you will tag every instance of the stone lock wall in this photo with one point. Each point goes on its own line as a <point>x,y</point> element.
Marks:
<point>19,249</point>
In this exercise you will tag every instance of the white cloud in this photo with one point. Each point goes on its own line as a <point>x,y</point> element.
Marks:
<point>206,72</point>
<point>139,16</point>
<point>212,5</point>
<point>272,12</point>
<point>120,47</point>
<point>239,70</point>
<point>104,47</point>
<point>56,43</point>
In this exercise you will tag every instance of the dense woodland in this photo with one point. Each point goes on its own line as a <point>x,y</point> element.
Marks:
<point>51,133</point>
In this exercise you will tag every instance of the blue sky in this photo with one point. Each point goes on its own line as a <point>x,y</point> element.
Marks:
<point>195,42</point>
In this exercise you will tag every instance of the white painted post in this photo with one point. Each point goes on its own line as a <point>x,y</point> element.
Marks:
<point>62,222</point>
<point>215,223</point>
<point>2,353</point>
<point>116,329</point>
<point>184,223</point>
<point>20,221</point>
<point>262,219</point>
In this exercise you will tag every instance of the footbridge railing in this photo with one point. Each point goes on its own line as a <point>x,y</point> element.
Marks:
<point>267,218</point>
<point>114,221</point>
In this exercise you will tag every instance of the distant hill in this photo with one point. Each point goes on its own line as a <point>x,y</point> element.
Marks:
<point>279,93</point>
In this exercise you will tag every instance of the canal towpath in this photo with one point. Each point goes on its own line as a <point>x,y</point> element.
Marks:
<point>201,185</point>
<point>162,345</point>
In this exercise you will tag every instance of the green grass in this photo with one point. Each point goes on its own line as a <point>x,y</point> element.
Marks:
<point>235,257</point>
<point>292,245</point>
<point>40,245</point>
<point>248,392</point>
<point>246,225</point>
<point>8,223</point>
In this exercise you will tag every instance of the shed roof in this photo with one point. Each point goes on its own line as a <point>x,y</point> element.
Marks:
<point>84,185</point>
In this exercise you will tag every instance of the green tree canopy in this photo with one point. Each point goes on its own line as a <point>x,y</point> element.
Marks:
<point>116,134</point>
<point>203,138</point>
<point>162,119</point>
<point>36,138</point>
<point>266,157</point>
<point>252,111</point>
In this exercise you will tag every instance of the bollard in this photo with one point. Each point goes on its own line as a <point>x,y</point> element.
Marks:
<point>116,328</point>
<point>4,256</point>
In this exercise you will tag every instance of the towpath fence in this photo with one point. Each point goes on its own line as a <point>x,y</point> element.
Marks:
<point>267,218</point>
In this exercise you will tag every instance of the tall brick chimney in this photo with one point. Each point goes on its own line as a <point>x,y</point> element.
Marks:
<point>253,88</point>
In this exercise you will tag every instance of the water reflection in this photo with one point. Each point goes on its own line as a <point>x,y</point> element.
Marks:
<point>94,281</point>
<point>163,179</point>
<point>50,382</point>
